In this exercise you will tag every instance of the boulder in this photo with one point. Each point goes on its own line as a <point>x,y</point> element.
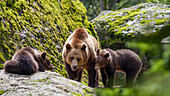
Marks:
<point>40,84</point>
<point>114,28</point>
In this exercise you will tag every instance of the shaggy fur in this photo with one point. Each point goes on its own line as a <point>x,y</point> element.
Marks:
<point>79,53</point>
<point>108,61</point>
<point>28,61</point>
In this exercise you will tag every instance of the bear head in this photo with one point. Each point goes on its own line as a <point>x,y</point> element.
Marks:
<point>76,56</point>
<point>45,61</point>
<point>102,59</point>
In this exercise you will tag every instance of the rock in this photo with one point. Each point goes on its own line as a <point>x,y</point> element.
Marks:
<point>166,40</point>
<point>114,28</point>
<point>41,83</point>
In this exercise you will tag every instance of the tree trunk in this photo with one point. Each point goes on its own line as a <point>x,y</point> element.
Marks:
<point>101,5</point>
<point>105,4</point>
<point>114,4</point>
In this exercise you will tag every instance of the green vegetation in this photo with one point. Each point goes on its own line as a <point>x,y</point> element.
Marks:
<point>86,93</point>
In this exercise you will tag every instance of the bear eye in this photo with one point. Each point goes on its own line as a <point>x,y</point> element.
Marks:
<point>71,58</point>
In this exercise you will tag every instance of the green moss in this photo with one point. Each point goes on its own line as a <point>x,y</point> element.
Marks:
<point>157,21</point>
<point>41,80</point>
<point>88,90</point>
<point>161,21</point>
<point>155,15</point>
<point>119,23</point>
<point>76,94</point>
<point>1,66</point>
<point>121,19</point>
<point>73,84</point>
<point>156,28</point>
<point>2,92</point>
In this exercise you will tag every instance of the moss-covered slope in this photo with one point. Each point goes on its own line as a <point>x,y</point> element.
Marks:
<point>41,24</point>
<point>114,28</point>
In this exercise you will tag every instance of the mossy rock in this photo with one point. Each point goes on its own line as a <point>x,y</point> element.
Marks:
<point>41,84</point>
<point>114,28</point>
<point>41,24</point>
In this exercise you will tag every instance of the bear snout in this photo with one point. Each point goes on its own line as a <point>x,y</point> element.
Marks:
<point>74,67</point>
<point>50,67</point>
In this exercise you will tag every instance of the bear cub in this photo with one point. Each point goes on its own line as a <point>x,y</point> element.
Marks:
<point>109,61</point>
<point>78,54</point>
<point>28,61</point>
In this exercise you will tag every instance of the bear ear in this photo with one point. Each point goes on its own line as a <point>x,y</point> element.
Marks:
<point>43,55</point>
<point>98,51</point>
<point>68,46</point>
<point>83,47</point>
<point>106,55</point>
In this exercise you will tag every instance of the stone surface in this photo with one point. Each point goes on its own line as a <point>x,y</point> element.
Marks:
<point>40,84</point>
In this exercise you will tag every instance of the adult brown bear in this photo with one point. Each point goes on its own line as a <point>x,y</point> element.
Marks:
<point>108,61</point>
<point>79,53</point>
<point>28,61</point>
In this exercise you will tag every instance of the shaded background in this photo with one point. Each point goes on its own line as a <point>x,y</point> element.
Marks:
<point>94,7</point>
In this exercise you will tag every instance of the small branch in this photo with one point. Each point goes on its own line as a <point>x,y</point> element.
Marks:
<point>123,4</point>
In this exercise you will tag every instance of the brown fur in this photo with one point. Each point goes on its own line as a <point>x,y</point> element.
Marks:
<point>28,61</point>
<point>79,53</point>
<point>109,61</point>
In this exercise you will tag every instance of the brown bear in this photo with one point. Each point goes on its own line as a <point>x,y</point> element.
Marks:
<point>28,61</point>
<point>79,53</point>
<point>109,61</point>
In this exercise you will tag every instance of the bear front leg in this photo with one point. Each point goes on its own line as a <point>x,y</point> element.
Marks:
<point>79,75</point>
<point>92,75</point>
<point>104,76</point>
<point>110,82</point>
<point>74,75</point>
<point>110,77</point>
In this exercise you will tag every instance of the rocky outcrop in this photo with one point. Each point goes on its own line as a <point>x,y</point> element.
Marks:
<point>114,28</point>
<point>40,84</point>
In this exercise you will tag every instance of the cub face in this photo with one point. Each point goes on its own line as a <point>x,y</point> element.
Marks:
<point>76,56</point>
<point>102,59</point>
<point>45,61</point>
